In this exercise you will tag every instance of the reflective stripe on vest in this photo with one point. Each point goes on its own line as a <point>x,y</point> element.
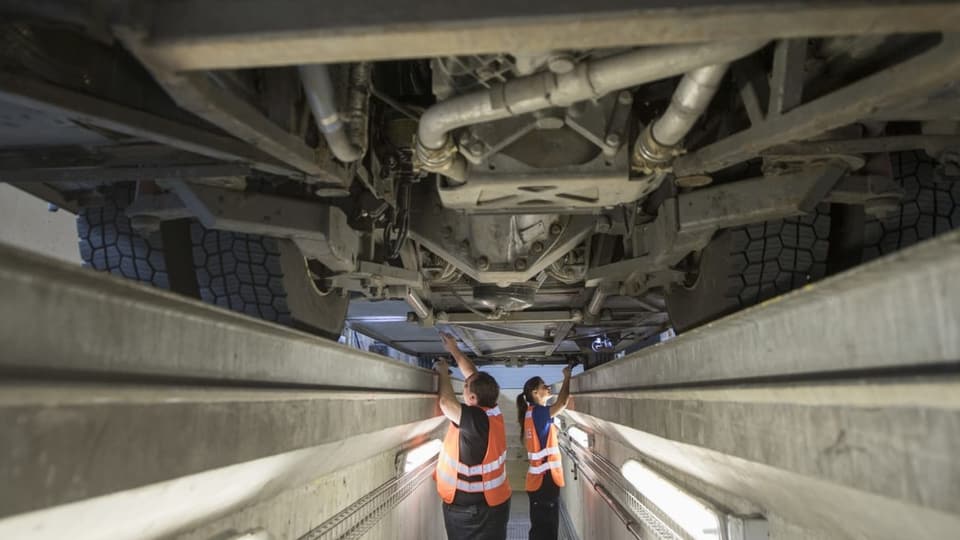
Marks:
<point>476,469</point>
<point>548,451</point>
<point>475,487</point>
<point>543,467</point>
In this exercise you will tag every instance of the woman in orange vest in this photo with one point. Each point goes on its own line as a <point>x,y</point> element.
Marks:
<point>545,473</point>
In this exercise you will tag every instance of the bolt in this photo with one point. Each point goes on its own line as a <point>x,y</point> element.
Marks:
<point>537,247</point>
<point>447,232</point>
<point>625,98</point>
<point>465,244</point>
<point>560,64</point>
<point>476,148</point>
<point>613,139</point>
<point>555,228</point>
<point>520,264</point>
<point>483,264</point>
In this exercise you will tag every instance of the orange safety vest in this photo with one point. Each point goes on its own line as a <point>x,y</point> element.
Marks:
<point>541,459</point>
<point>493,470</point>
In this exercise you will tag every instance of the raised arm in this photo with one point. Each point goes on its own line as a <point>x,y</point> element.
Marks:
<point>464,363</point>
<point>449,404</point>
<point>564,397</point>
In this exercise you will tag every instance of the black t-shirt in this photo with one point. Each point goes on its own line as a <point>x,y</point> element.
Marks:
<point>474,433</point>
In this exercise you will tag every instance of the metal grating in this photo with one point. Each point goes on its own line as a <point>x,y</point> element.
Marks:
<point>355,520</point>
<point>518,530</point>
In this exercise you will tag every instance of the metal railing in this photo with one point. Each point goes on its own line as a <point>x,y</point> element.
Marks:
<point>623,498</point>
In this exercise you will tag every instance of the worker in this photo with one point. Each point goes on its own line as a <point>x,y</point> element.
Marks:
<point>471,471</point>
<point>545,473</point>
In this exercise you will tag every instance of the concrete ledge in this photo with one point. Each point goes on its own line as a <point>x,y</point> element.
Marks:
<point>897,439</point>
<point>56,318</point>
<point>63,443</point>
<point>900,312</point>
<point>797,505</point>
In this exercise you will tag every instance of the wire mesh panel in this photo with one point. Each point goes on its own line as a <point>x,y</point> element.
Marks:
<point>359,517</point>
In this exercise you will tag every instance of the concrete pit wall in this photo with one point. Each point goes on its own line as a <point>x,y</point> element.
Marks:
<point>293,512</point>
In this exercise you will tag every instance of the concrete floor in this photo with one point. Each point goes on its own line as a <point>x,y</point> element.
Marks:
<point>519,526</point>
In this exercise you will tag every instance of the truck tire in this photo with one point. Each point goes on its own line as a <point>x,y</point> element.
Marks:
<point>746,265</point>
<point>263,277</point>
<point>266,278</point>
<point>930,206</point>
<point>108,242</point>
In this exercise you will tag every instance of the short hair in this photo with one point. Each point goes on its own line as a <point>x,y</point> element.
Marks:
<point>486,388</point>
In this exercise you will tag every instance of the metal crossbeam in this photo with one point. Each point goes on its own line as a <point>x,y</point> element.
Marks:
<point>786,78</point>
<point>560,335</point>
<point>925,73</point>
<point>89,110</point>
<point>505,331</point>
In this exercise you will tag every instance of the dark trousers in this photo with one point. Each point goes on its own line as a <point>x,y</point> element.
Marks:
<point>476,522</point>
<point>544,518</point>
<point>545,511</point>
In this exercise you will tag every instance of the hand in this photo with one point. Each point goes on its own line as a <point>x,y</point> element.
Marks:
<point>441,366</point>
<point>449,343</point>
<point>566,371</point>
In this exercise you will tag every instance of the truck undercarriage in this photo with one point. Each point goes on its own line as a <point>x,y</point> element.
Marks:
<point>555,183</point>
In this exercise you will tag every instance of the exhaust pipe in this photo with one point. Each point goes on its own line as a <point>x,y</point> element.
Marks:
<point>436,151</point>
<point>320,96</point>
<point>658,144</point>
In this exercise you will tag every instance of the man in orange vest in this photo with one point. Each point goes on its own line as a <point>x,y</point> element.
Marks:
<point>545,473</point>
<point>471,471</point>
